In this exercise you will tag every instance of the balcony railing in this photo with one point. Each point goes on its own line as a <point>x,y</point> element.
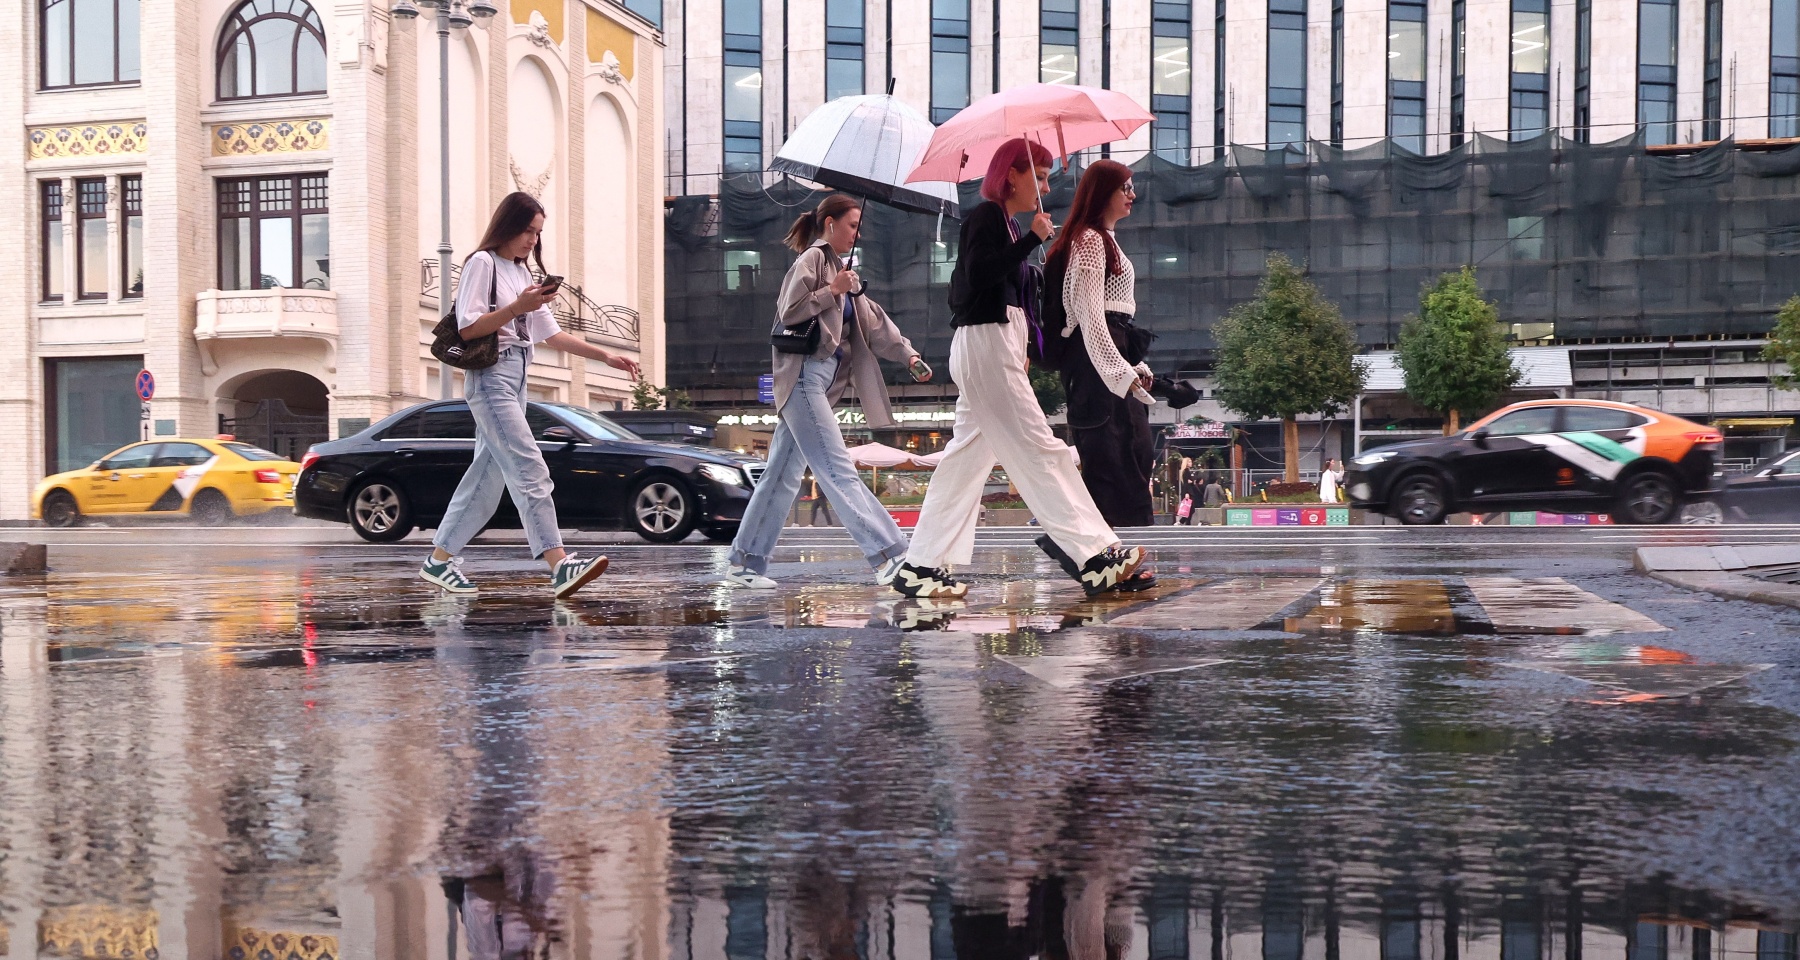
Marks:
<point>574,311</point>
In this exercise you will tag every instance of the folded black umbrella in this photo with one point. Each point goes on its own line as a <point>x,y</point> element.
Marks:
<point>1177,392</point>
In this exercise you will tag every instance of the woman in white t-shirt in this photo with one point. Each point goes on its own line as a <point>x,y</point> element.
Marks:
<point>496,293</point>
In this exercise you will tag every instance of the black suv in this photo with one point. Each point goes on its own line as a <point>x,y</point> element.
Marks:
<point>400,473</point>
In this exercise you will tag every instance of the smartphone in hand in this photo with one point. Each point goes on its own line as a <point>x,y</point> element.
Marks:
<point>550,284</point>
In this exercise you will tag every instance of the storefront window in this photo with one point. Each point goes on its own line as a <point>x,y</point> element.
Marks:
<point>93,409</point>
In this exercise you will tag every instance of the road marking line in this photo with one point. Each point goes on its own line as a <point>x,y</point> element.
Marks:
<point>1534,604</point>
<point>1236,604</point>
<point>1385,606</point>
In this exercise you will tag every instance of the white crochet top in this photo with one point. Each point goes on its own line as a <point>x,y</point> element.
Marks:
<point>1089,292</point>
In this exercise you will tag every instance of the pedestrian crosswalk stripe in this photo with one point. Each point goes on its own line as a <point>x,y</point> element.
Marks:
<point>1552,604</point>
<point>1236,604</point>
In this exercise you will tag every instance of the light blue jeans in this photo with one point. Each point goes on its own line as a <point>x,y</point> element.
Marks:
<point>507,458</point>
<point>808,434</point>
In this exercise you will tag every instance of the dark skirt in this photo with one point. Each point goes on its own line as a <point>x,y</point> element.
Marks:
<point>1111,433</point>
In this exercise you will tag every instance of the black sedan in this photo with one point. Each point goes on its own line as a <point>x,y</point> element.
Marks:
<point>400,474</point>
<point>1564,456</point>
<point>1768,494</point>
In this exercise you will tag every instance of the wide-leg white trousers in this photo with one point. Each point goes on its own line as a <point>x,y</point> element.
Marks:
<point>998,418</point>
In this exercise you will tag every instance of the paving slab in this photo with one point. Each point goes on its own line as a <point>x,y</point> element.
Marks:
<point>1236,604</point>
<point>1553,605</point>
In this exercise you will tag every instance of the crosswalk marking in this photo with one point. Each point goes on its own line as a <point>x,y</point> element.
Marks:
<point>1067,672</point>
<point>1553,605</point>
<point>1236,604</point>
<point>1388,606</point>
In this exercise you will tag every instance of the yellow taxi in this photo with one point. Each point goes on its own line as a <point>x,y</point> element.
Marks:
<point>210,481</point>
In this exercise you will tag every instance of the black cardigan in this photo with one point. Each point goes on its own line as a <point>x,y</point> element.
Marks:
<point>986,277</point>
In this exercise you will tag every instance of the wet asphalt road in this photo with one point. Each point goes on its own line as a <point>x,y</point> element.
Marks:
<point>1317,745</point>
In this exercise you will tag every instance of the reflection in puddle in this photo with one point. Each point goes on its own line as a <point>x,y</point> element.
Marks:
<point>1379,606</point>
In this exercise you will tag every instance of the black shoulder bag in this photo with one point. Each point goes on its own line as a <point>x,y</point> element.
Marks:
<point>448,345</point>
<point>802,337</point>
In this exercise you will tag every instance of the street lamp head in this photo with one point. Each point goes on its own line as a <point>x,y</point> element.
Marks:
<point>404,10</point>
<point>459,18</point>
<point>483,9</point>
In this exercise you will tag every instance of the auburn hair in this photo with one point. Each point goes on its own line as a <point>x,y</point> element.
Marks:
<point>1092,196</point>
<point>511,218</point>
<point>809,226</point>
<point>1015,154</point>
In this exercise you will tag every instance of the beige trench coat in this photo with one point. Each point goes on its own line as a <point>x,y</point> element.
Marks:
<point>806,292</point>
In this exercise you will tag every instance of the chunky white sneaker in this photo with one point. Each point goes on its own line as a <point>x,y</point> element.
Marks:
<point>929,583</point>
<point>747,578</point>
<point>884,574</point>
<point>447,574</point>
<point>573,573</point>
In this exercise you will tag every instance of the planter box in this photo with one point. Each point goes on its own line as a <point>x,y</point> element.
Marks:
<point>1288,515</point>
<point>1011,517</point>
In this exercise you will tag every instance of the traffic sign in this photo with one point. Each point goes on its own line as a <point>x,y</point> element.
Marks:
<point>765,388</point>
<point>146,385</point>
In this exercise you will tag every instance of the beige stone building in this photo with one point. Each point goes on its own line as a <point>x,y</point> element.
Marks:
<point>242,197</point>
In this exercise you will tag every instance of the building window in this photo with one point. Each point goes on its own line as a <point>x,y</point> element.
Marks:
<point>743,86</point>
<point>1526,235</point>
<point>1714,100</point>
<point>1337,73</point>
<point>1218,79</point>
<point>949,58</point>
<point>91,409</point>
<point>1584,68</point>
<point>90,238</point>
<point>271,48</point>
<point>131,229</point>
<point>86,43</point>
<point>1171,77</point>
<point>741,269</point>
<point>1287,74</point>
<point>52,244</point>
<point>1784,69</point>
<point>1657,46</point>
<point>1406,73</point>
<point>1459,69</point>
<point>1059,36</point>
<point>1530,68</point>
<point>274,232</point>
<point>843,48</point>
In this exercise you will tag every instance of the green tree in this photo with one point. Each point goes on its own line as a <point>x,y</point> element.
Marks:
<point>1285,353</point>
<point>676,399</point>
<point>1784,344</point>
<point>1453,352</point>
<point>1047,385</point>
<point>645,396</point>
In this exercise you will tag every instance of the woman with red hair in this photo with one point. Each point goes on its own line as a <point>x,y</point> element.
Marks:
<point>997,414</point>
<point>1103,369</point>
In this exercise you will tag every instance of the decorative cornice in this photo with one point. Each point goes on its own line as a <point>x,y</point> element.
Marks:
<point>249,943</point>
<point>98,931</point>
<point>271,136</point>
<point>87,140</point>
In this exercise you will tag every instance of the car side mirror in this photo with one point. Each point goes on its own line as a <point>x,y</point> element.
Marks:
<point>559,434</point>
<point>1480,437</point>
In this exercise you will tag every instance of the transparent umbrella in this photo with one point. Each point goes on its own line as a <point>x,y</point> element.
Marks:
<point>866,145</point>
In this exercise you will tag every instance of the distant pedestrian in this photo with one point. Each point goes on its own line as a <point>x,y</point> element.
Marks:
<point>821,505</point>
<point>855,334</point>
<point>495,294</point>
<point>1214,494</point>
<point>1328,482</point>
<point>997,414</point>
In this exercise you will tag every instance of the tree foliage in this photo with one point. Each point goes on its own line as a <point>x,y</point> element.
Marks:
<point>1452,352</point>
<point>1047,385</point>
<point>1288,352</point>
<point>645,396</point>
<point>1784,344</point>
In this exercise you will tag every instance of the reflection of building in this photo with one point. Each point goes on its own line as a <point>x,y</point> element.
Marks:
<point>242,197</point>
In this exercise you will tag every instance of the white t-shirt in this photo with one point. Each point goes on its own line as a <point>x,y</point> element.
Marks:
<point>472,300</point>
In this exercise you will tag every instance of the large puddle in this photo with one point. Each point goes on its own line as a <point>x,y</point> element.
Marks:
<point>294,760</point>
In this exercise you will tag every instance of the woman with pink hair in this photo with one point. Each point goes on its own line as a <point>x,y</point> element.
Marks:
<point>997,414</point>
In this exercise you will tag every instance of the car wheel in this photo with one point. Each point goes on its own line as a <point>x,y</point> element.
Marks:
<point>210,508</point>
<point>1702,513</point>
<point>378,512</point>
<point>60,509</point>
<point>720,534</point>
<point>1419,500</point>
<point>1649,498</point>
<point>662,510</point>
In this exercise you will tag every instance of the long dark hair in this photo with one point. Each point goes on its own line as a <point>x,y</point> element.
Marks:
<point>811,224</point>
<point>510,219</point>
<point>1096,190</point>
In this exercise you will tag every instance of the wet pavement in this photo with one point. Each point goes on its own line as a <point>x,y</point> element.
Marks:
<point>1365,744</point>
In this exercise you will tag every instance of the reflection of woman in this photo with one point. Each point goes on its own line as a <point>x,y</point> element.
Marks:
<point>997,413</point>
<point>495,294</point>
<point>1103,369</point>
<point>853,332</point>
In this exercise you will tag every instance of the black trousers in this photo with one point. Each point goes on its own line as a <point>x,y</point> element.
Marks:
<point>1112,434</point>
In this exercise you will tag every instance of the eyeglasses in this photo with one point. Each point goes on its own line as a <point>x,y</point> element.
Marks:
<point>1127,189</point>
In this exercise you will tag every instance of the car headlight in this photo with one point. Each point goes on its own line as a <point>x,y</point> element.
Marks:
<point>729,476</point>
<point>1371,459</point>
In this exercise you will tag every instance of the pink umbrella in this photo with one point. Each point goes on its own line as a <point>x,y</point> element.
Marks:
<point>1065,115</point>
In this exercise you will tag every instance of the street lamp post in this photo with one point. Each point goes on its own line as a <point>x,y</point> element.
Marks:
<point>450,14</point>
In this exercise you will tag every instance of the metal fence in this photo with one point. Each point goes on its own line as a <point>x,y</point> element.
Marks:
<point>574,311</point>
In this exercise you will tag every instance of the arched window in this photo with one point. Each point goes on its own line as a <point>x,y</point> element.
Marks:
<point>271,48</point>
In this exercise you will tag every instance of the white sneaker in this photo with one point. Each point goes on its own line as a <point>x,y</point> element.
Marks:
<point>747,578</point>
<point>884,574</point>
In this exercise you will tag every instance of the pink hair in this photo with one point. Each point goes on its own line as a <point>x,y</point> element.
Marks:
<point>1016,154</point>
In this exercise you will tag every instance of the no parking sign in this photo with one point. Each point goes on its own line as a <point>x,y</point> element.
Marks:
<point>146,386</point>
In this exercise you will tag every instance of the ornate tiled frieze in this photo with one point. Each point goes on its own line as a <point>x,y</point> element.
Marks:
<point>249,943</point>
<point>98,931</point>
<point>104,139</point>
<point>270,136</point>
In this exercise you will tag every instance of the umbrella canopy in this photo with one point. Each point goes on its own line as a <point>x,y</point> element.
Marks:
<point>1064,117</point>
<point>864,145</point>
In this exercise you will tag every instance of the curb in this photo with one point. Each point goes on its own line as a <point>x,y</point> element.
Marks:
<point>1712,570</point>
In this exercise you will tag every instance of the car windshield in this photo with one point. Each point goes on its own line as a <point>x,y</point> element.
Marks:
<point>595,424</point>
<point>249,452</point>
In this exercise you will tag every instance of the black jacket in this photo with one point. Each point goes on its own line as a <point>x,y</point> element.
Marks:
<point>986,278</point>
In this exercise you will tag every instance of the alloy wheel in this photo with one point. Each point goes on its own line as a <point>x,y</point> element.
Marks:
<point>660,507</point>
<point>1702,512</point>
<point>1650,499</point>
<point>1421,500</point>
<point>377,508</point>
